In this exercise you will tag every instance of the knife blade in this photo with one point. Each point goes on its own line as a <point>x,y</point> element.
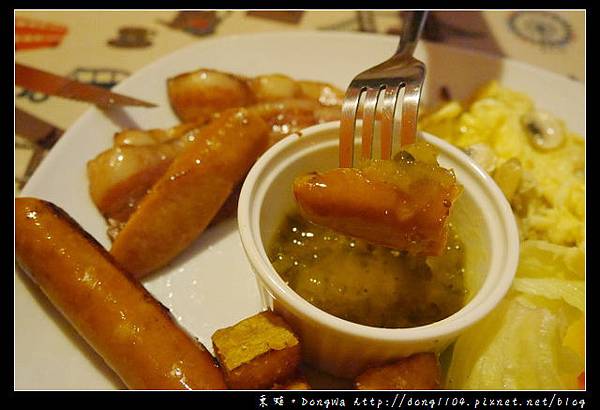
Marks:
<point>35,129</point>
<point>51,84</point>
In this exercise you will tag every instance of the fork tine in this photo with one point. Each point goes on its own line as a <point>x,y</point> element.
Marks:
<point>410,110</point>
<point>349,108</point>
<point>401,69</point>
<point>368,124</point>
<point>387,121</point>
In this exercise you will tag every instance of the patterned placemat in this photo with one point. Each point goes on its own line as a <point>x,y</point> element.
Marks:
<point>104,47</point>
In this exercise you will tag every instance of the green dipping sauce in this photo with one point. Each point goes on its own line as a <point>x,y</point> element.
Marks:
<point>368,284</point>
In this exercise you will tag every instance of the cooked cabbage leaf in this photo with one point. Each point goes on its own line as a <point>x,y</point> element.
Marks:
<point>518,346</point>
<point>535,339</point>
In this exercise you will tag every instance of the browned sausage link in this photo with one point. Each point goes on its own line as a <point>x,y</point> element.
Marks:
<point>119,318</point>
<point>380,211</point>
<point>189,194</point>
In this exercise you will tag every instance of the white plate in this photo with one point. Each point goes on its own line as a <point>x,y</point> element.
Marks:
<point>211,285</point>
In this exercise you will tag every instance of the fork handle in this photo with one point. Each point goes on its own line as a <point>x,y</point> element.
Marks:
<point>414,21</point>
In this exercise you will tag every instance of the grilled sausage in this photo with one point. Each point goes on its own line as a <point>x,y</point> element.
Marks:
<point>398,204</point>
<point>134,334</point>
<point>185,199</point>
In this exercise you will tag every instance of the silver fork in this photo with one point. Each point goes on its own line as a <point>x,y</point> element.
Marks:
<point>401,70</point>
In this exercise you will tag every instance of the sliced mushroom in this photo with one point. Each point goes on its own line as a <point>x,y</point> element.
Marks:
<point>524,194</point>
<point>483,154</point>
<point>545,131</point>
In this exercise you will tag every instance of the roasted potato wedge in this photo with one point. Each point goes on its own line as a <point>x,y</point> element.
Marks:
<point>121,176</point>
<point>324,93</point>
<point>285,117</point>
<point>196,95</point>
<point>273,87</point>
<point>131,137</point>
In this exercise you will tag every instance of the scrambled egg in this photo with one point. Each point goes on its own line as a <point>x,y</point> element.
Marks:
<point>535,339</point>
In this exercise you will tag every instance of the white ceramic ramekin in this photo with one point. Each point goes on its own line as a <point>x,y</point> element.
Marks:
<point>481,215</point>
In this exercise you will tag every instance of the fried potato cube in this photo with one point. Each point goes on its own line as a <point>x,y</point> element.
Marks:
<point>420,371</point>
<point>402,204</point>
<point>297,382</point>
<point>257,352</point>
